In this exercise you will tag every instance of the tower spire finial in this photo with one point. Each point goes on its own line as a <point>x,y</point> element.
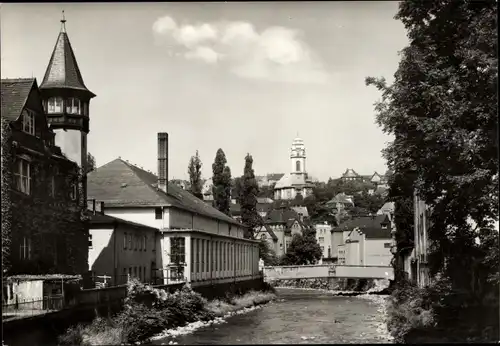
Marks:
<point>63,22</point>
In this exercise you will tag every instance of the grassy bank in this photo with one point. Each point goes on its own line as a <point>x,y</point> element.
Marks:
<point>148,312</point>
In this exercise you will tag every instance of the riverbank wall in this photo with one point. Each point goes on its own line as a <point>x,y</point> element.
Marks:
<point>98,303</point>
<point>334,284</point>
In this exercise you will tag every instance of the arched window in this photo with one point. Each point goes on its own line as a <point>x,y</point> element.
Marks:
<point>263,237</point>
<point>297,166</point>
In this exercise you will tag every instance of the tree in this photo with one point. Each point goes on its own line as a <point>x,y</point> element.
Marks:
<point>194,171</point>
<point>298,200</point>
<point>303,249</point>
<point>236,188</point>
<point>91,165</point>
<point>248,197</point>
<point>267,254</point>
<point>369,203</point>
<point>221,180</point>
<point>442,110</point>
<point>266,191</point>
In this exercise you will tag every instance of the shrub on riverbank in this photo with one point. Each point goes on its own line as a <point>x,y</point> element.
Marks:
<point>149,311</point>
<point>437,313</point>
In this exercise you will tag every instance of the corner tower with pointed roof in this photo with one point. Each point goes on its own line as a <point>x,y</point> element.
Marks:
<point>66,101</point>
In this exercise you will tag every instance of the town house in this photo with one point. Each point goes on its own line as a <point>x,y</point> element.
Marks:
<point>41,209</point>
<point>194,240</point>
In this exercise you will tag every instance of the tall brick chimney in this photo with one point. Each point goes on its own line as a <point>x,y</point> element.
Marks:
<point>163,161</point>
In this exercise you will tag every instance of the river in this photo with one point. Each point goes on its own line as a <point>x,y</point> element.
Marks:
<point>298,316</point>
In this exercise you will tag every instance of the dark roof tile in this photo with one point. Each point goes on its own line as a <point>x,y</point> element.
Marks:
<point>14,94</point>
<point>370,225</point>
<point>63,71</point>
<point>121,184</point>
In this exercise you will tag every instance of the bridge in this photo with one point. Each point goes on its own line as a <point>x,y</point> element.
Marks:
<point>328,271</point>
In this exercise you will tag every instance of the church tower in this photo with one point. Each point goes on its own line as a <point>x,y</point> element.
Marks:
<point>66,101</point>
<point>298,157</point>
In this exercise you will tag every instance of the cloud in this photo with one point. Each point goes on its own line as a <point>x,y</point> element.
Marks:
<point>274,54</point>
<point>202,53</point>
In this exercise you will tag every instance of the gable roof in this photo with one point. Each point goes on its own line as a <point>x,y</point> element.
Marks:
<point>275,176</point>
<point>350,173</point>
<point>63,71</point>
<point>341,198</point>
<point>369,225</point>
<point>121,184</point>
<point>280,215</point>
<point>270,231</point>
<point>301,210</point>
<point>14,94</point>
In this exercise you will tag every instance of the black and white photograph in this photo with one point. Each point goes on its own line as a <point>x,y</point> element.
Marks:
<point>231,173</point>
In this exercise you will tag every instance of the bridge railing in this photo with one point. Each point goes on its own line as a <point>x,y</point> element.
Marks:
<point>328,270</point>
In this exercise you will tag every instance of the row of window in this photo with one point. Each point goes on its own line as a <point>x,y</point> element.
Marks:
<point>73,106</point>
<point>223,255</point>
<point>134,242</point>
<point>23,177</point>
<point>137,272</point>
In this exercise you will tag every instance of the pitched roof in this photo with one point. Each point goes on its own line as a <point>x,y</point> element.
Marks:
<point>121,184</point>
<point>369,225</point>
<point>350,173</point>
<point>63,71</point>
<point>301,210</point>
<point>275,176</point>
<point>280,215</point>
<point>341,198</point>
<point>14,94</point>
<point>290,180</point>
<point>271,232</point>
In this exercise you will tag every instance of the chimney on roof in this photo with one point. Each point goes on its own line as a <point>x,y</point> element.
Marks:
<point>163,161</point>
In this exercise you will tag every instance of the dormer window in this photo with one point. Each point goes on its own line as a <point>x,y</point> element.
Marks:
<point>384,226</point>
<point>55,105</point>
<point>29,122</point>
<point>73,106</point>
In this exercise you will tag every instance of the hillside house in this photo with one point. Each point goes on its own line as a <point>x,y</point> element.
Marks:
<point>368,241</point>
<point>280,224</point>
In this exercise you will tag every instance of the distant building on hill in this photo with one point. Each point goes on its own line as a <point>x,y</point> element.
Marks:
<point>297,181</point>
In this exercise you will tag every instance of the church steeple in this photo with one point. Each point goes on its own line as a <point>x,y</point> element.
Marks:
<point>298,156</point>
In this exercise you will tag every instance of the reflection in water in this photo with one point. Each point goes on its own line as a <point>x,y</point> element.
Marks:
<point>297,317</point>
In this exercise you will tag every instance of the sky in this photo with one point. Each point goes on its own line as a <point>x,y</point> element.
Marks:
<point>246,77</point>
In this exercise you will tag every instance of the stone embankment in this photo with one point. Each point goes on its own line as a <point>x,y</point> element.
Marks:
<point>341,287</point>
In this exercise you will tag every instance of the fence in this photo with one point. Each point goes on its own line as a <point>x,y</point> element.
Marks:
<point>32,307</point>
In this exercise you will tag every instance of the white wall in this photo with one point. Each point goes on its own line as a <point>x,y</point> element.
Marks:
<point>101,238</point>
<point>376,253</point>
<point>144,216</point>
<point>323,231</point>
<point>72,144</point>
<point>108,255</point>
